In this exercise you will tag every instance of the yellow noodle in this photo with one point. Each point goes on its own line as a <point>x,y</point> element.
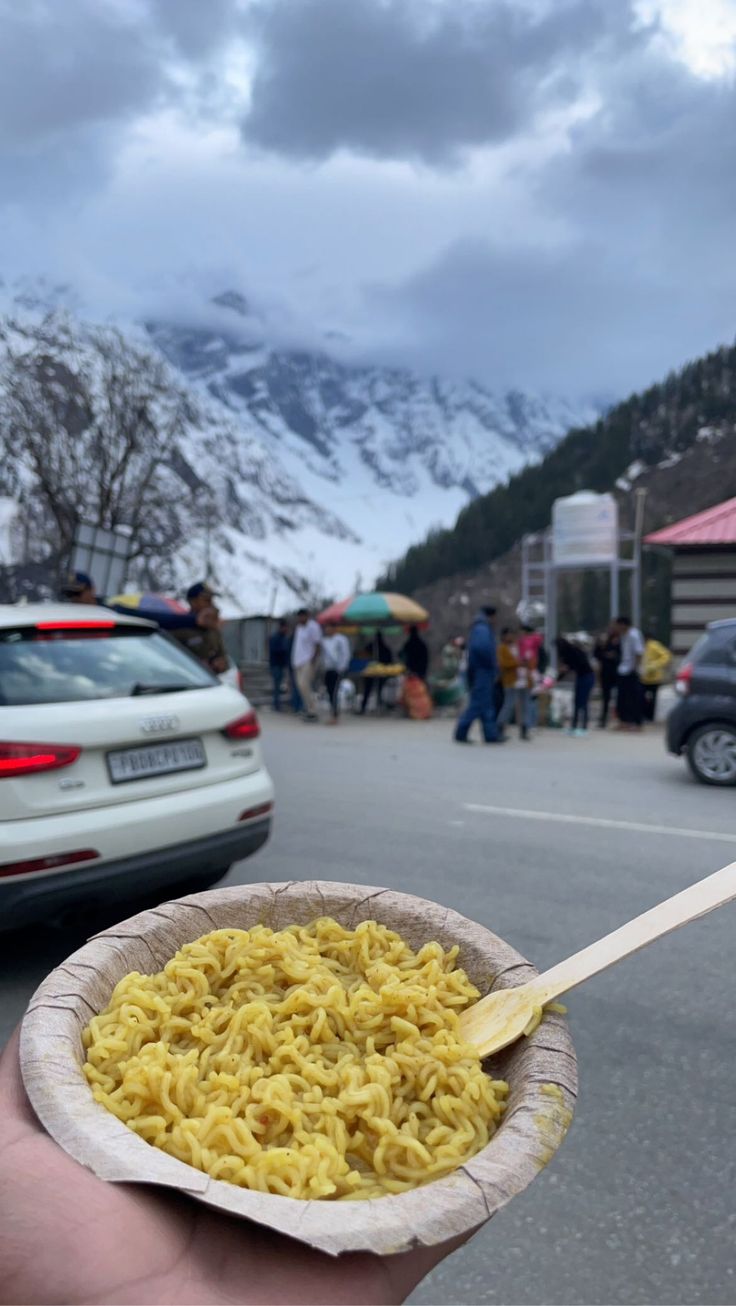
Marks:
<point>312,1062</point>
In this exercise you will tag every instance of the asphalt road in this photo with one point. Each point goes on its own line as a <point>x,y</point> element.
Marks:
<point>638,1207</point>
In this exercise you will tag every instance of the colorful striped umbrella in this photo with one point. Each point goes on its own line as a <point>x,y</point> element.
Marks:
<point>377,610</point>
<point>148,605</point>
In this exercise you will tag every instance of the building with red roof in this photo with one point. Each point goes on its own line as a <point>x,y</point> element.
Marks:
<point>704,570</point>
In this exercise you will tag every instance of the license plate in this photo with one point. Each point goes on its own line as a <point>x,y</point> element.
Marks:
<point>156,759</point>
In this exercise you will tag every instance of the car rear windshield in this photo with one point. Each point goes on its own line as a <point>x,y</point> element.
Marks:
<point>65,666</point>
<point>715,647</point>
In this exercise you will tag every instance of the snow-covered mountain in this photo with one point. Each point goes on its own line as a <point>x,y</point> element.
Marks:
<point>294,472</point>
<point>392,452</point>
<point>202,491</point>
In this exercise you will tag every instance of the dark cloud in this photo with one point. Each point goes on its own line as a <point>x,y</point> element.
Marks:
<point>642,278</point>
<point>197,26</point>
<point>567,321</point>
<point>659,159</point>
<point>405,80</point>
<point>578,258</point>
<point>75,73</point>
<point>69,64</point>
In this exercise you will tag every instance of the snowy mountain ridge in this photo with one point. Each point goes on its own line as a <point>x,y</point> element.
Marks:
<point>393,452</point>
<point>224,505</point>
<point>296,473</point>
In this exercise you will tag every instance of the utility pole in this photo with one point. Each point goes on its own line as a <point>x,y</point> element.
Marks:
<point>640,496</point>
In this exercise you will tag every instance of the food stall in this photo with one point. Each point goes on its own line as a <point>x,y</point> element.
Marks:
<point>369,617</point>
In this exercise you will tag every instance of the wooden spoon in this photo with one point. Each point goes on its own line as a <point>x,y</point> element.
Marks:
<point>501,1017</point>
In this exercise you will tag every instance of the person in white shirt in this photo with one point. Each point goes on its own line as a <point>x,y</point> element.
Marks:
<point>335,660</point>
<point>629,698</point>
<point>304,657</point>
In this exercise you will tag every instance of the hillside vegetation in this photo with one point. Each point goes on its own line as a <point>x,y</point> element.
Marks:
<point>648,430</point>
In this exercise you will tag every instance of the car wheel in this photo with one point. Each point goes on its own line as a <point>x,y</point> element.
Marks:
<point>711,753</point>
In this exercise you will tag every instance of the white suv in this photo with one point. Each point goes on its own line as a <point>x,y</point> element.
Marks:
<point>125,766</point>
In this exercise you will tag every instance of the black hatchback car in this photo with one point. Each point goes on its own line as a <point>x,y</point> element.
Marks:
<point>702,724</point>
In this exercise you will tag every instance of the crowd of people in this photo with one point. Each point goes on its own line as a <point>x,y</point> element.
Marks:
<point>305,654</point>
<point>501,681</point>
<point>302,655</point>
<point>509,677</point>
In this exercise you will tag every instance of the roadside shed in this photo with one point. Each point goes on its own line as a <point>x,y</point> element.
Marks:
<point>246,640</point>
<point>703,571</point>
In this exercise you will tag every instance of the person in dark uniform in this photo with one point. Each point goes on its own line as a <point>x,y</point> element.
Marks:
<point>206,643</point>
<point>78,587</point>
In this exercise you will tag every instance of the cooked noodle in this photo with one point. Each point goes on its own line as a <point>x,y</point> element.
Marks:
<point>313,1062</point>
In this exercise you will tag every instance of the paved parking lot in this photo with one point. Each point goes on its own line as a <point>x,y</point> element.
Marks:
<point>551,844</point>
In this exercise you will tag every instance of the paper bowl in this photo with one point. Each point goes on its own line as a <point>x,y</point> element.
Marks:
<point>534,1125</point>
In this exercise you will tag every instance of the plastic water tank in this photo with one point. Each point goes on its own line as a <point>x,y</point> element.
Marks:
<point>585,529</point>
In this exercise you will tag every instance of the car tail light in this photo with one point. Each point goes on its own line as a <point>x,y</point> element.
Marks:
<point>75,625</point>
<point>683,680</point>
<point>251,813</point>
<point>84,630</point>
<point>244,727</point>
<point>48,863</point>
<point>28,759</point>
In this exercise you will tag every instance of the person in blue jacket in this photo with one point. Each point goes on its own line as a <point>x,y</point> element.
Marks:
<point>482,672</point>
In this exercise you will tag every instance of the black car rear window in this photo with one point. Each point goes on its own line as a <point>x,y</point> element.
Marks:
<point>715,648</point>
<point>64,666</point>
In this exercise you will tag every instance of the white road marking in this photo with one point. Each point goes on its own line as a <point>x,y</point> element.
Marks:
<point>601,822</point>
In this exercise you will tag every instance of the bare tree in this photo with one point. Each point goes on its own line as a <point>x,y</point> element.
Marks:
<point>90,425</point>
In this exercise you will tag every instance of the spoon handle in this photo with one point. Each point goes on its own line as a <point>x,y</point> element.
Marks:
<point>698,900</point>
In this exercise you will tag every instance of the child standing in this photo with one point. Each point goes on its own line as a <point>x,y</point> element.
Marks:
<point>516,679</point>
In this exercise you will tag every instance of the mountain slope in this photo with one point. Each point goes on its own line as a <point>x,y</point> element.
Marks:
<point>294,474</point>
<point>703,475</point>
<point>393,452</point>
<point>223,503</point>
<point>693,409</point>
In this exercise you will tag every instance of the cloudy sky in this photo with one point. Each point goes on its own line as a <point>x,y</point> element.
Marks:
<point>538,192</point>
